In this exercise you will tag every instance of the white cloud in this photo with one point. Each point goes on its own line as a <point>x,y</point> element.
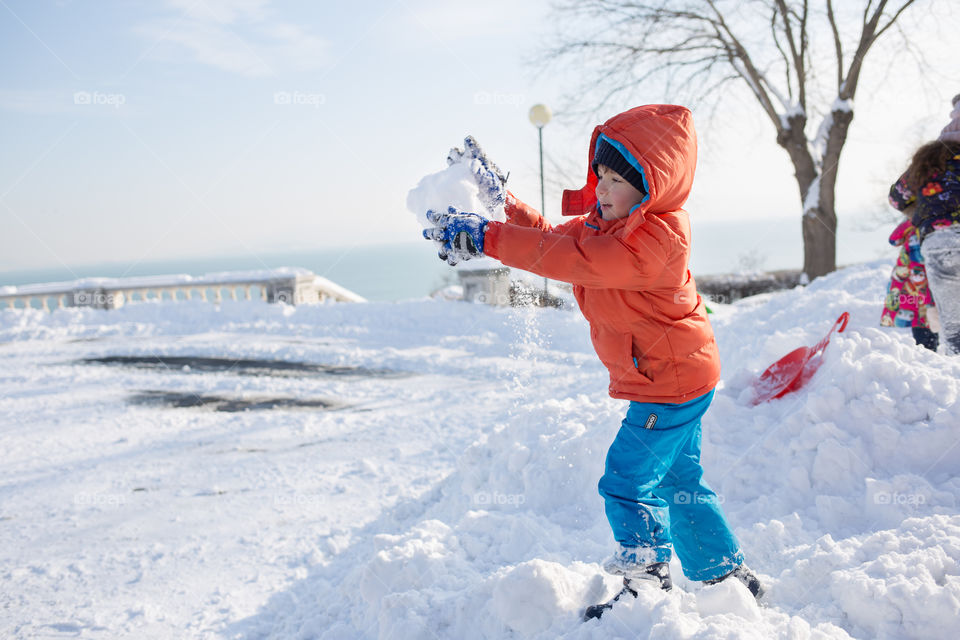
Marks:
<point>222,11</point>
<point>454,21</point>
<point>239,36</point>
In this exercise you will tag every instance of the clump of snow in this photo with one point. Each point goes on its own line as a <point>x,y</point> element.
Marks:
<point>842,104</point>
<point>455,186</point>
<point>791,110</point>
<point>728,598</point>
<point>461,501</point>
<point>530,596</point>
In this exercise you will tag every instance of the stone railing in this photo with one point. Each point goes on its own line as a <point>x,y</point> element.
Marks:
<point>287,285</point>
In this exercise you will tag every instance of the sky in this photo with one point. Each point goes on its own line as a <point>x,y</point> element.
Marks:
<point>142,131</point>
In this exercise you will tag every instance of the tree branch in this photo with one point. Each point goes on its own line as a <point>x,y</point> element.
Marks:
<point>783,54</point>
<point>837,44</point>
<point>746,69</point>
<point>893,19</point>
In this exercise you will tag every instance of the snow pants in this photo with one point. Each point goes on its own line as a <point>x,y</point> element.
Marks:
<point>941,254</point>
<point>654,492</point>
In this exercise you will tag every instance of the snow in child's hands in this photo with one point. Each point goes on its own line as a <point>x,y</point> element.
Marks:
<point>491,181</point>
<point>460,185</point>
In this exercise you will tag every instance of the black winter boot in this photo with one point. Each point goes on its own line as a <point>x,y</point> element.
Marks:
<point>744,575</point>
<point>657,573</point>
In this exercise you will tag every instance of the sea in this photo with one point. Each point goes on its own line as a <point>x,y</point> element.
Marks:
<point>409,270</point>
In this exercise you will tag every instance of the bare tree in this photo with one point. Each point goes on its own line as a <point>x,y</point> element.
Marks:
<point>799,63</point>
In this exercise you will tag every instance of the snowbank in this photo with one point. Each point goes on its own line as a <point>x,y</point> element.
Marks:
<point>844,494</point>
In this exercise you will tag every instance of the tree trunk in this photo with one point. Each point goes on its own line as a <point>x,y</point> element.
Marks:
<point>820,222</point>
<point>819,242</point>
<point>793,139</point>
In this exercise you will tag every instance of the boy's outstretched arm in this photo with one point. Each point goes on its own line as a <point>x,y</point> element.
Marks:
<point>523,215</point>
<point>655,257</point>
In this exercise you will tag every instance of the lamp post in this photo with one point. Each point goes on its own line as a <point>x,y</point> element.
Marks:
<point>539,117</point>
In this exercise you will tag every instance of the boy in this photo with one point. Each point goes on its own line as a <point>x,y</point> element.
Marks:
<point>626,254</point>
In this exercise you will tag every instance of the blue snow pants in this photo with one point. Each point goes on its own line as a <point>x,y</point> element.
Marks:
<point>654,492</point>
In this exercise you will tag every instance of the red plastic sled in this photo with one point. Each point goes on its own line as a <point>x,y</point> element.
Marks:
<point>793,370</point>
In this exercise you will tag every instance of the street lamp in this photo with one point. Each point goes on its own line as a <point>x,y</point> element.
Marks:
<point>539,117</point>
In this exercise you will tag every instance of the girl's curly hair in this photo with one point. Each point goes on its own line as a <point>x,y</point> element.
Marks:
<point>929,159</point>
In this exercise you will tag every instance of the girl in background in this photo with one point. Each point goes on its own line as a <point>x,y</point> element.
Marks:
<point>932,184</point>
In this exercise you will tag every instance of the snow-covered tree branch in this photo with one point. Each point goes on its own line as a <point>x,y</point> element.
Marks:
<point>700,46</point>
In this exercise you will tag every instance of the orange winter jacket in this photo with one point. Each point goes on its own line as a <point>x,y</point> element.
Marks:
<point>630,276</point>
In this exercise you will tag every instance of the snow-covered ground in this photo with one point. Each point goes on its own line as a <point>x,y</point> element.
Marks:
<point>445,484</point>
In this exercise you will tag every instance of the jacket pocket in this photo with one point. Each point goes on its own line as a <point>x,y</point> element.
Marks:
<point>617,353</point>
<point>638,362</point>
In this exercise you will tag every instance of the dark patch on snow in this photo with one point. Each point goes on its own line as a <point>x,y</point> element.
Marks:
<point>72,628</point>
<point>243,366</point>
<point>187,400</point>
<point>209,493</point>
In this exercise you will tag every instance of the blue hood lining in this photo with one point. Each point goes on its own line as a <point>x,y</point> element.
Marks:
<point>629,158</point>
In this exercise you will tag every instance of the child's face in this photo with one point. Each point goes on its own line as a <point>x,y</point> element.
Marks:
<point>615,195</point>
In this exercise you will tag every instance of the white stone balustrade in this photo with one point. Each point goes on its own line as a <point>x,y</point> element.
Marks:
<point>287,285</point>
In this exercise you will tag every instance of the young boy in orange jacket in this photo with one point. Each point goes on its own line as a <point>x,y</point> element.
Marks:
<point>626,253</point>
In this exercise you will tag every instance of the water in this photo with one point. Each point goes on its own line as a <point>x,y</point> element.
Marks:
<point>411,270</point>
<point>378,273</point>
<point>776,243</point>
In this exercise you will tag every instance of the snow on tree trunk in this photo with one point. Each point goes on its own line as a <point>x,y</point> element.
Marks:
<point>815,164</point>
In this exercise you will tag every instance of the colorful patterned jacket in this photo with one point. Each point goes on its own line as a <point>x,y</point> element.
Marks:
<point>908,296</point>
<point>938,203</point>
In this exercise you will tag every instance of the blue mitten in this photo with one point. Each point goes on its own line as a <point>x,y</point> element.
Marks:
<point>491,182</point>
<point>458,235</point>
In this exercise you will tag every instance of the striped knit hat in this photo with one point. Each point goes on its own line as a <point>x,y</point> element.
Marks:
<point>608,155</point>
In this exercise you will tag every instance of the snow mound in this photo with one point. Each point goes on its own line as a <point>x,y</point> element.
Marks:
<point>478,517</point>
<point>843,495</point>
<point>530,596</point>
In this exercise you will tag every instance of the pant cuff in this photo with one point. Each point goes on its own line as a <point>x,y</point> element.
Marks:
<point>715,571</point>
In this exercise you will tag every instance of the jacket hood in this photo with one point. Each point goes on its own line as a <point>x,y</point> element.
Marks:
<point>663,143</point>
